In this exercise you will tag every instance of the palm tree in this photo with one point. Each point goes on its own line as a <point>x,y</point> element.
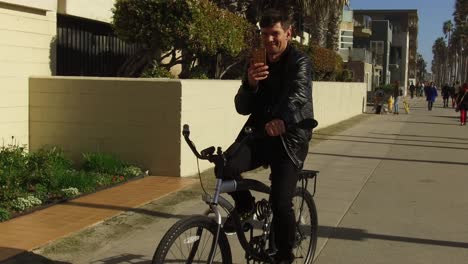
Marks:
<point>460,39</point>
<point>336,11</point>
<point>439,50</point>
<point>447,29</point>
<point>421,68</point>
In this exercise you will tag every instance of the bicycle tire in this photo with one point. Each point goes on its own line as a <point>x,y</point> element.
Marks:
<point>173,240</point>
<point>306,238</point>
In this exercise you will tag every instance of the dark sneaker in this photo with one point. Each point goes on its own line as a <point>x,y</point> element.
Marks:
<point>229,225</point>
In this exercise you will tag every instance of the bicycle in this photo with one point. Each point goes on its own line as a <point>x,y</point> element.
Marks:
<point>196,239</point>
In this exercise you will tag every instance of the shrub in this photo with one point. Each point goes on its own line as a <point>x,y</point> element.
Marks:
<point>198,72</point>
<point>23,203</point>
<point>13,163</point>
<point>102,163</point>
<point>70,192</point>
<point>4,215</point>
<point>326,64</point>
<point>156,71</point>
<point>132,171</point>
<point>41,192</point>
<point>82,180</point>
<point>45,163</point>
<point>387,88</point>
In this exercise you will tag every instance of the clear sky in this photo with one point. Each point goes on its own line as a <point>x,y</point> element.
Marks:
<point>432,14</point>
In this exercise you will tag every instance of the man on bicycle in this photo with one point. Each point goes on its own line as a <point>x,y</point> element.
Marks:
<point>276,96</point>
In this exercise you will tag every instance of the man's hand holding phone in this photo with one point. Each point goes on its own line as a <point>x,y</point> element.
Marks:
<point>258,70</point>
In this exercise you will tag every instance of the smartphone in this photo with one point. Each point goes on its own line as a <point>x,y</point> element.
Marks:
<point>259,55</point>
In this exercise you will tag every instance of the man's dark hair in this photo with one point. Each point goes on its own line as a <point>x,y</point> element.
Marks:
<point>272,16</point>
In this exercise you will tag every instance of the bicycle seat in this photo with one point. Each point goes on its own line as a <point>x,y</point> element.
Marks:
<point>308,174</point>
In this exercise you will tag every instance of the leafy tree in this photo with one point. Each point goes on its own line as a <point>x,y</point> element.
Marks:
<point>178,32</point>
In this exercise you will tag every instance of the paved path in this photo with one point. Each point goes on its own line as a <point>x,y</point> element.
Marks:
<point>392,189</point>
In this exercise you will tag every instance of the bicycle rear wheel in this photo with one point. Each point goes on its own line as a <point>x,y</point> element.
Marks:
<point>190,241</point>
<point>306,226</point>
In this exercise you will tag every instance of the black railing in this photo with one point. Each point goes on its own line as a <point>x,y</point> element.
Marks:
<point>89,48</point>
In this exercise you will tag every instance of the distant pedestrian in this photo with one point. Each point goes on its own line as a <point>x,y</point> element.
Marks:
<point>431,94</point>
<point>452,93</point>
<point>378,100</point>
<point>412,89</point>
<point>462,103</point>
<point>396,97</point>
<point>421,89</point>
<point>445,94</point>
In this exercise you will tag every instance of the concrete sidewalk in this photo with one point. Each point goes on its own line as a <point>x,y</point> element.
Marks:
<point>391,189</point>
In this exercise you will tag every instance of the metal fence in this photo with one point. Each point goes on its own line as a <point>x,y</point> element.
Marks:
<point>89,48</point>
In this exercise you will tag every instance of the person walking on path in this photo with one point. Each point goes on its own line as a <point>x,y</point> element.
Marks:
<point>420,89</point>
<point>462,103</point>
<point>412,89</point>
<point>431,95</point>
<point>453,94</point>
<point>396,97</point>
<point>275,95</point>
<point>445,94</point>
<point>379,96</point>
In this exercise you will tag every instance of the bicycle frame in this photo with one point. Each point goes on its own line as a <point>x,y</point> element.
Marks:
<point>227,186</point>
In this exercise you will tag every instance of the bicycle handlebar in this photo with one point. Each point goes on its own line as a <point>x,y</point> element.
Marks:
<point>207,153</point>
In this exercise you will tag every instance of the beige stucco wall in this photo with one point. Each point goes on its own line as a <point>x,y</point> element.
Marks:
<point>335,102</point>
<point>140,120</point>
<point>136,119</point>
<point>92,9</point>
<point>26,35</point>
<point>208,107</point>
<point>48,5</point>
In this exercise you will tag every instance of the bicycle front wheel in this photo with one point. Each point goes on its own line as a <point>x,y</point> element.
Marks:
<point>190,241</point>
<point>306,226</point>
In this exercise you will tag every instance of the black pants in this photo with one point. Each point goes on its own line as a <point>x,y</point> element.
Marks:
<point>446,100</point>
<point>284,176</point>
<point>429,105</point>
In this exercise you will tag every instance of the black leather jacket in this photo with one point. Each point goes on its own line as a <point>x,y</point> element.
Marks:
<point>293,105</point>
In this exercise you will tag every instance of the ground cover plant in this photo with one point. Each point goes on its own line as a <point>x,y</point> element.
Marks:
<point>32,179</point>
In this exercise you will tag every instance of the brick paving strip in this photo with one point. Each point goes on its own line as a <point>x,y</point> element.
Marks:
<point>33,230</point>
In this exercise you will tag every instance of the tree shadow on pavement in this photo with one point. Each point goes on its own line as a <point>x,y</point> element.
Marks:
<point>361,234</point>
<point>449,116</point>
<point>397,144</point>
<point>419,136</point>
<point>393,159</point>
<point>123,258</point>
<point>326,136</point>
<point>427,123</point>
<point>29,257</point>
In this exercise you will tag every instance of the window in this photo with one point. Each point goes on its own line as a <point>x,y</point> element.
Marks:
<point>377,47</point>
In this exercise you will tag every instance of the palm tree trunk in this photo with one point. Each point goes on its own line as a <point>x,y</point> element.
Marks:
<point>318,29</point>
<point>332,35</point>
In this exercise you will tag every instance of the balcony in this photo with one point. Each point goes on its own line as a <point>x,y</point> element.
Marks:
<point>362,26</point>
<point>361,55</point>
<point>362,32</point>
